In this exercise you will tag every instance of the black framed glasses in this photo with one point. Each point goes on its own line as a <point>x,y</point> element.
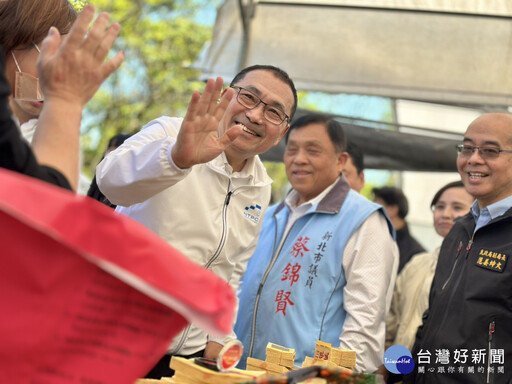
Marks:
<point>250,100</point>
<point>484,152</point>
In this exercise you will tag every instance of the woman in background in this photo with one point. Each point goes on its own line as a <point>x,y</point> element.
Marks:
<point>23,26</point>
<point>412,289</point>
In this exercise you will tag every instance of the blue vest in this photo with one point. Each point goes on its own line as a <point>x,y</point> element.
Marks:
<point>293,296</point>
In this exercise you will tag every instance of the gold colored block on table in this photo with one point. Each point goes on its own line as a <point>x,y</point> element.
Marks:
<point>257,364</point>
<point>260,365</point>
<point>154,381</point>
<point>278,350</point>
<point>343,357</point>
<point>186,372</point>
<point>336,355</point>
<point>310,361</point>
<point>322,350</point>
<point>278,354</point>
<point>281,361</point>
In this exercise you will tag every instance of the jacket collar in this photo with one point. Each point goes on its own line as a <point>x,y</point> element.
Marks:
<point>469,223</point>
<point>333,201</point>
<point>254,172</point>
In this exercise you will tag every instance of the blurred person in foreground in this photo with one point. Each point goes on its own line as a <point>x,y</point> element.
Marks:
<point>467,324</point>
<point>410,298</point>
<point>23,26</point>
<point>70,70</point>
<point>325,264</point>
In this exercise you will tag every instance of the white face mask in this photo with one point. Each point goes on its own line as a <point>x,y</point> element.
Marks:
<point>26,86</point>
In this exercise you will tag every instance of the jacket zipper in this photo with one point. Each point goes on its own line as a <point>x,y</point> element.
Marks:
<point>450,298</point>
<point>265,275</point>
<point>182,341</point>
<point>212,259</point>
<point>453,268</point>
<point>260,288</point>
<point>224,226</point>
<point>492,326</point>
<point>468,248</point>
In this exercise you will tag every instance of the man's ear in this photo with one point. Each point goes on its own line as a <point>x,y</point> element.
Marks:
<point>282,134</point>
<point>342,159</point>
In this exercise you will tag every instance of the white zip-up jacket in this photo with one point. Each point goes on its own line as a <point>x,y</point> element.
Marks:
<point>208,212</point>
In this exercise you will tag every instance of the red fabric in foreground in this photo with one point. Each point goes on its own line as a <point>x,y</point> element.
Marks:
<point>63,319</point>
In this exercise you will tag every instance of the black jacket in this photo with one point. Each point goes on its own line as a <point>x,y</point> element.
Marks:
<point>470,305</point>
<point>15,153</point>
<point>408,246</point>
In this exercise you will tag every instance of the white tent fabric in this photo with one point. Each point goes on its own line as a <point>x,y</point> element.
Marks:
<point>442,51</point>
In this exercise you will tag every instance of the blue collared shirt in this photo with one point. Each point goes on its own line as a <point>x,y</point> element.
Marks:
<point>482,217</point>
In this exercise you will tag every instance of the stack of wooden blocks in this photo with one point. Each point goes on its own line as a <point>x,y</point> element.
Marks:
<point>187,372</point>
<point>280,355</point>
<point>328,356</point>
<point>279,360</point>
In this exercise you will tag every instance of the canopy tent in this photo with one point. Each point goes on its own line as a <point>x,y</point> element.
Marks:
<point>454,52</point>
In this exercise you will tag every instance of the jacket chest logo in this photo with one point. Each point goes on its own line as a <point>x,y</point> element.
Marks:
<point>253,213</point>
<point>495,261</point>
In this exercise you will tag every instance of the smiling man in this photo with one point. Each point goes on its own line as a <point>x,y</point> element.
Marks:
<point>198,182</point>
<point>325,264</point>
<point>470,316</point>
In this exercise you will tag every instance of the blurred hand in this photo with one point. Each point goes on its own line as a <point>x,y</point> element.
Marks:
<point>73,69</point>
<point>212,350</point>
<point>198,140</point>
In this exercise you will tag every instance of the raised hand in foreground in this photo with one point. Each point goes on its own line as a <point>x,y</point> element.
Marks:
<point>70,70</point>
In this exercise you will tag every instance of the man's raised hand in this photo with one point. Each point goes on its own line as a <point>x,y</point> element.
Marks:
<point>198,140</point>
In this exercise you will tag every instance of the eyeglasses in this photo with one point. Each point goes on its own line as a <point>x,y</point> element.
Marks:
<point>484,152</point>
<point>249,100</point>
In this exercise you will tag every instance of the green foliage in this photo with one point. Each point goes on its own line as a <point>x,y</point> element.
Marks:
<point>367,190</point>
<point>78,4</point>
<point>160,39</point>
<point>280,186</point>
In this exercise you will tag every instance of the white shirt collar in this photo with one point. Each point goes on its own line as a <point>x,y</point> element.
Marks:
<point>293,197</point>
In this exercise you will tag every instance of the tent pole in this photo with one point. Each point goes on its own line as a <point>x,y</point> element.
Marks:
<point>394,117</point>
<point>246,13</point>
